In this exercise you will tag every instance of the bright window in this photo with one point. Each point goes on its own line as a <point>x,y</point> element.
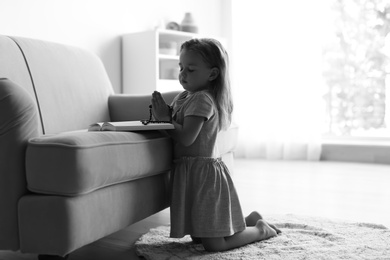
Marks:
<point>303,70</point>
<point>356,69</point>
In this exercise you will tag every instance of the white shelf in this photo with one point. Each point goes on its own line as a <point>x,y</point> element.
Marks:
<point>168,57</point>
<point>173,33</point>
<point>145,69</point>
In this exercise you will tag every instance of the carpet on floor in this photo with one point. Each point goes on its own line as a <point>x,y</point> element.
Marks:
<point>302,238</point>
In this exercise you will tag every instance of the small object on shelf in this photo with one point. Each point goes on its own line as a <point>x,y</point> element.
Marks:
<point>174,73</point>
<point>169,48</point>
<point>188,24</point>
<point>169,72</point>
<point>173,26</point>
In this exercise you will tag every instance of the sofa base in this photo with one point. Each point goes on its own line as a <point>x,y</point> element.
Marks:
<point>52,257</point>
<point>58,225</point>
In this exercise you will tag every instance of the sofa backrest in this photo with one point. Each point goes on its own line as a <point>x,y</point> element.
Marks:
<point>70,85</point>
<point>13,65</point>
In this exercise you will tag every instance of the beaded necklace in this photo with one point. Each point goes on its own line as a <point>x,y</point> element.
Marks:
<point>150,121</point>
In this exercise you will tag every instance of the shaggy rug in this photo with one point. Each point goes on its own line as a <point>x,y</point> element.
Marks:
<point>302,238</point>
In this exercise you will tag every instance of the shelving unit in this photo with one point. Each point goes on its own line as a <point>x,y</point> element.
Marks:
<point>147,67</point>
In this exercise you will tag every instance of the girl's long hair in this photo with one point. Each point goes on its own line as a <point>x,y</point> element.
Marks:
<point>216,56</point>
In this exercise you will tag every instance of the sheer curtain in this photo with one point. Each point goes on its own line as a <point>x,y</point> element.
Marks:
<point>276,78</point>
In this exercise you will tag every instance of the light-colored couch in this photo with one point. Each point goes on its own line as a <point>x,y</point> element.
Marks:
<point>62,187</point>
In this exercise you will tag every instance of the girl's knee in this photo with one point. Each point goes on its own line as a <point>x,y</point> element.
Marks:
<point>214,244</point>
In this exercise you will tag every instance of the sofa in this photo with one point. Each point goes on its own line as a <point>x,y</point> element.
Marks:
<point>62,187</point>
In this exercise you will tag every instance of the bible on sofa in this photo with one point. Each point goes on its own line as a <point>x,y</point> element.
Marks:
<point>129,126</point>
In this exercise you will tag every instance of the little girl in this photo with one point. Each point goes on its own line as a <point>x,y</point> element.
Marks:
<point>205,204</point>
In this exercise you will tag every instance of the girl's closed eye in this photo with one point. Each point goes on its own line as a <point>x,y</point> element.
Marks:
<point>188,69</point>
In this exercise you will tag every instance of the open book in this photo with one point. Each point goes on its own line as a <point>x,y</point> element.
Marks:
<point>129,126</point>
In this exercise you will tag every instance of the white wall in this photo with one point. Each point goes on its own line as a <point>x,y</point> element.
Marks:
<point>97,25</point>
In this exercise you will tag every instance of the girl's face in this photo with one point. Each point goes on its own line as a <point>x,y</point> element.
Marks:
<point>195,74</point>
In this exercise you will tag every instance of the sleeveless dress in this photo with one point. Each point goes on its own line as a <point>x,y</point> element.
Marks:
<point>204,201</point>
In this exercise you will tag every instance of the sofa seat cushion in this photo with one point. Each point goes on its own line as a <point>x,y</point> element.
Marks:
<point>227,139</point>
<point>80,162</point>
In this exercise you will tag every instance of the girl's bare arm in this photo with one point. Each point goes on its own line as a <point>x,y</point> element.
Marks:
<point>187,133</point>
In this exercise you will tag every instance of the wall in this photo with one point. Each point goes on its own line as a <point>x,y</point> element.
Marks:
<point>363,151</point>
<point>97,25</point>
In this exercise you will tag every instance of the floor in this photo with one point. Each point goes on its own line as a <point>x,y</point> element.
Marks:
<point>350,191</point>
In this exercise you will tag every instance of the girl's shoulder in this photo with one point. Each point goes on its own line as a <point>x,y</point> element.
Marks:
<point>203,95</point>
<point>180,97</point>
<point>186,96</point>
<point>196,103</point>
<point>183,95</point>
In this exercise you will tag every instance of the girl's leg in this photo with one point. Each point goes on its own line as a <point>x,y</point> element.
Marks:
<point>196,240</point>
<point>260,231</point>
<point>252,219</point>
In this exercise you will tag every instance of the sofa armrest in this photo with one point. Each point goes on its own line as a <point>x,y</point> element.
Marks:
<point>126,107</point>
<point>18,123</point>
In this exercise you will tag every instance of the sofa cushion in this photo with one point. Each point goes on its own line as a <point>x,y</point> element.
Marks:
<point>79,162</point>
<point>227,140</point>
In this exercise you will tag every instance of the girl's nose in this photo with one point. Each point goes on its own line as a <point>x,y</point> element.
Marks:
<point>182,74</point>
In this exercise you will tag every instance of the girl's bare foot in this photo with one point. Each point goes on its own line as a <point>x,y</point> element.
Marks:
<point>265,230</point>
<point>277,230</point>
<point>251,220</point>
